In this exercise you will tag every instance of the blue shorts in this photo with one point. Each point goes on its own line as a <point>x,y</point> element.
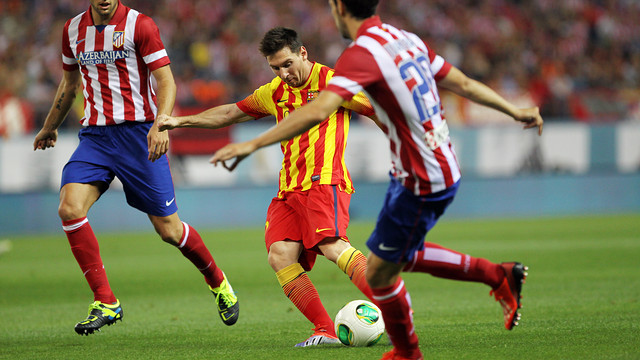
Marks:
<point>121,151</point>
<point>405,220</point>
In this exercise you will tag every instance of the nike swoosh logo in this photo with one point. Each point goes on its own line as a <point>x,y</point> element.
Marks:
<point>383,247</point>
<point>79,41</point>
<point>279,101</point>
<point>323,229</point>
<point>169,202</point>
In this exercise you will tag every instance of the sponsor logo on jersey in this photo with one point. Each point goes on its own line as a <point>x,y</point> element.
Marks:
<point>118,39</point>
<point>101,57</point>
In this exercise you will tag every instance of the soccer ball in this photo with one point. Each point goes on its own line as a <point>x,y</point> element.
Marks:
<point>359,323</point>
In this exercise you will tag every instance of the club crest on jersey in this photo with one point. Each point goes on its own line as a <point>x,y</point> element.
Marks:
<point>118,39</point>
<point>311,95</point>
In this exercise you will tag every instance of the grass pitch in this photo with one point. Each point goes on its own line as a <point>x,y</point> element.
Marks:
<point>581,299</point>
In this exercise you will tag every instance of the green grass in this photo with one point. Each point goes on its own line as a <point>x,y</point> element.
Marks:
<point>581,300</point>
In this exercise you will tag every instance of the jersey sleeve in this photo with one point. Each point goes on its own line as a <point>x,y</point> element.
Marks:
<point>69,62</point>
<point>355,70</point>
<point>149,44</point>
<point>256,104</point>
<point>439,66</point>
<point>360,104</point>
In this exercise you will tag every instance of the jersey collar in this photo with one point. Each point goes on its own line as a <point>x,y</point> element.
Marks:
<point>306,83</point>
<point>121,13</point>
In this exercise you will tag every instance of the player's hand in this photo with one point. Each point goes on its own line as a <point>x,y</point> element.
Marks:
<point>45,139</point>
<point>158,143</point>
<point>166,122</point>
<point>531,118</point>
<point>238,151</point>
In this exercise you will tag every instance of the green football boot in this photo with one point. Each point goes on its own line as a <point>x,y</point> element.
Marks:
<point>99,315</point>
<point>227,302</point>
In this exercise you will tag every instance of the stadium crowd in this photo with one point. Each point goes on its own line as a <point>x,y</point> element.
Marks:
<point>576,59</point>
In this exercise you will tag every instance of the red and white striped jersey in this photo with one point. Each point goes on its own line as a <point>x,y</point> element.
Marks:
<point>398,73</point>
<point>115,61</point>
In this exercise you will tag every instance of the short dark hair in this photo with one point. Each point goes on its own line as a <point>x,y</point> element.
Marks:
<point>277,38</point>
<point>360,9</point>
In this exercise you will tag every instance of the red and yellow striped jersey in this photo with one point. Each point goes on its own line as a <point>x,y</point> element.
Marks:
<point>316,156</point>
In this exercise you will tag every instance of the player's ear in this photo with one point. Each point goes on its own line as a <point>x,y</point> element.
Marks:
<point>342,10</point>
<point>303,53</point>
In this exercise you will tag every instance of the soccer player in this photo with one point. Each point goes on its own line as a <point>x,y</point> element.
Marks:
<point>113,50</point>
<point>309,215</point>
<point>400,75</point>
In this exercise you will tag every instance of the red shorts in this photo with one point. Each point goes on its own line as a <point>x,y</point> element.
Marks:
<point>310,217</point>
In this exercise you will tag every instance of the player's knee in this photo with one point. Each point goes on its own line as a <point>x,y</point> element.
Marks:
<point>69,211</point>
<point>274,261</point>
<point>169,234</point>
<point>169,228</point>
<point>332,248</point>
<point>279,261</point>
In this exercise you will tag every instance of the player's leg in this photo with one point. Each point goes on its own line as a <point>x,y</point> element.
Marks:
<point>505,279</point>
<point>284,260</point>
<point>349,259</point>
<point>290,261</point>
<point>326,209</point>
<point>400,230</point>
<point>394,301</point>
<point>188,241</point>
<point>75,201</point>
<point>450,264</point>
<point>83,181</point>
<point>148,187</point>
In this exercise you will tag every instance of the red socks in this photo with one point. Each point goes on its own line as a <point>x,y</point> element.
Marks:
<point>446,263</point>
<point>300,290</point>
<point>194,249</point>
<point>86,250</point>
<point>395,303</point>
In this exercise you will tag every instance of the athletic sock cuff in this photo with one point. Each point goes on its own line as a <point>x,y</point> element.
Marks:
<point>289,273</point>
<point>345,257</point>
<point>75,224</point>
<point>388,292</point>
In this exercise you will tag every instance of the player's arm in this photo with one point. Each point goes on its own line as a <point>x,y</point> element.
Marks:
<point>213,118</point>
<point>459,83</point>
<point>299,121</point>
<point>158,141</point>
<point>65,95</point>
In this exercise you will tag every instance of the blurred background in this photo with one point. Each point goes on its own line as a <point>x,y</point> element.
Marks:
<point>578,60</point>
